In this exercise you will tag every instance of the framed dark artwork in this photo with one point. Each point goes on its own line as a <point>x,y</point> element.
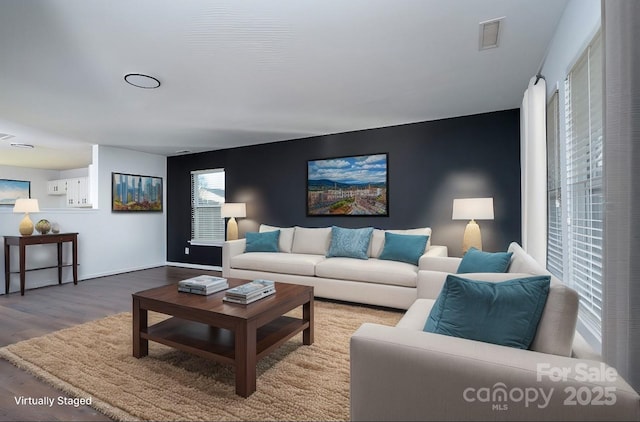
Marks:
<point>348,186</point>
<point>133,192</point>
<point>10,190</point>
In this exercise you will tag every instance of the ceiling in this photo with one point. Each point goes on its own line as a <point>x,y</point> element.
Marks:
<point>238,73</point>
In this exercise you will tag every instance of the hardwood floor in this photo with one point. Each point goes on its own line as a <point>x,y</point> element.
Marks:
<point>48,309</point>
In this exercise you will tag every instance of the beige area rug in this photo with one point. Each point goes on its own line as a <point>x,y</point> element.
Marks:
<point>295,382</point>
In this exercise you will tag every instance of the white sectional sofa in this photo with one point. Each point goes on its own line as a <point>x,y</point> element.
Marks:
<point>302,260</point>
<point>405,373</point>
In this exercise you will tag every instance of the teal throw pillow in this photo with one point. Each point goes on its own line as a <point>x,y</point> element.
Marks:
<point>403,247</point>
<point>350,243</point>
<point>262,242</point>
<point>505,313</point>
<point>475,261</point>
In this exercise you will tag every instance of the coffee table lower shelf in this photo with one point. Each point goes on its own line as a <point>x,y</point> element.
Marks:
<point>219,343</point>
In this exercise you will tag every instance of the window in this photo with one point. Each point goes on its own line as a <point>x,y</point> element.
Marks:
<point>554,191</point>
<point>207,197</point>
<point>575,189</point>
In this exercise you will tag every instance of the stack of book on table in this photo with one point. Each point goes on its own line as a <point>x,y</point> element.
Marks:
<point>250,292</point>
<point>203,285</point>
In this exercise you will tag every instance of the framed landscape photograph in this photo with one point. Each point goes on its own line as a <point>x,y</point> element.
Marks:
<point>133,192</point>
<point>10,190</point>
<point>348,186</point>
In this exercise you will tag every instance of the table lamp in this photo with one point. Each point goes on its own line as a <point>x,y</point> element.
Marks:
<point>472,209</point>
<point>26,206</point>
<point>233,210</point>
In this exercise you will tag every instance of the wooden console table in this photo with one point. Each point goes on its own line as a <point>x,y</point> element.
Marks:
<point>23,241</point>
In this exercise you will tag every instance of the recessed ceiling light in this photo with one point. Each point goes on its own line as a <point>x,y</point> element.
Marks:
<point>183,151</point>
<point>142,81</point>
<point>5,136</point>
<point>21,145</point>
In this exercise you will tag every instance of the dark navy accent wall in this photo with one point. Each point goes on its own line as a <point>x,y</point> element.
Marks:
<point>430,164</point>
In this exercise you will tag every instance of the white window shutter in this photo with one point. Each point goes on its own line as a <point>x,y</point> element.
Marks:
<point>585,206</point>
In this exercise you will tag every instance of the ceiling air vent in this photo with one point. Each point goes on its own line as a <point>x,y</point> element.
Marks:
<point>490,33</point>
<point>5,136</point>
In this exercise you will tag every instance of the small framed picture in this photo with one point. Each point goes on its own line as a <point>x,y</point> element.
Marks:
<point>10,190</point>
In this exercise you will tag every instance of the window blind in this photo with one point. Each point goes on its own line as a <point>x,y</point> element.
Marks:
<point>207,197</point>
<point>584,141</point>
<point>555,260</point>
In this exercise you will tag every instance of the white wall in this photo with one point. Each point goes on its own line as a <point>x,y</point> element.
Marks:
<point>578,24</point>
<point>108,243</point>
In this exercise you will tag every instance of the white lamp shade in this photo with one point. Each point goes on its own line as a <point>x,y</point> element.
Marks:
<point>233,209</point>
<point>26,205</point>
<point>473,209</point>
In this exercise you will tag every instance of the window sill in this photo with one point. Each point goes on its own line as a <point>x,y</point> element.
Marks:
<point>218,243</point>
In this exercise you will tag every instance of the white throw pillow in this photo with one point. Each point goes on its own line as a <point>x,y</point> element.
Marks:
<point>285,242</point>
<point>376,244</point>
<point>311,241</point>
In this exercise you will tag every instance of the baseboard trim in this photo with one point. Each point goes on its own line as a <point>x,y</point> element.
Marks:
<point>121,271</point>
<point>83,277</point>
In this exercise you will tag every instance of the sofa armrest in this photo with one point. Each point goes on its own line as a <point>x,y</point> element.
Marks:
<point>447,264</point>
<point>403,374</point>
<point>437,250</point>
<point>231,248</point>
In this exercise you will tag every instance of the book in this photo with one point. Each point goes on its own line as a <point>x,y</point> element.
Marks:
<point>203,281</point>
<point>203,285</point>
<point>254,287</point>
<point>247,297</point>
<point>240,301</point>
<point>204,292</point>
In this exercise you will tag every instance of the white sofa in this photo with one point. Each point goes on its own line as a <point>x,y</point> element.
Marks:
<point>302,260</point>
<point>404,373</point>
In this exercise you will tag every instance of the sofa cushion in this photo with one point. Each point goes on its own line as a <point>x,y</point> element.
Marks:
<point>376,244</point>
<point>377,239</point>
<point>370,271</point>
<point>350,243</point>
<point>522,262</point>
<point>475,261</point>
<point>262,242</point>
<point>505,313</point>
<point>276,262</point>
<point>557,326</point>
<point>311,241</point>
<point>403,247</point>
<point>286,236</point>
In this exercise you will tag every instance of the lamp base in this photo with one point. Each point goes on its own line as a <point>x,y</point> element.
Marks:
<point>232,229</point>
<point>26,226</point>
<point>472,237</point>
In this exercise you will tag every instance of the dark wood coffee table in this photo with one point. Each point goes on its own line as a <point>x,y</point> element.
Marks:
<point>206,326</point>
